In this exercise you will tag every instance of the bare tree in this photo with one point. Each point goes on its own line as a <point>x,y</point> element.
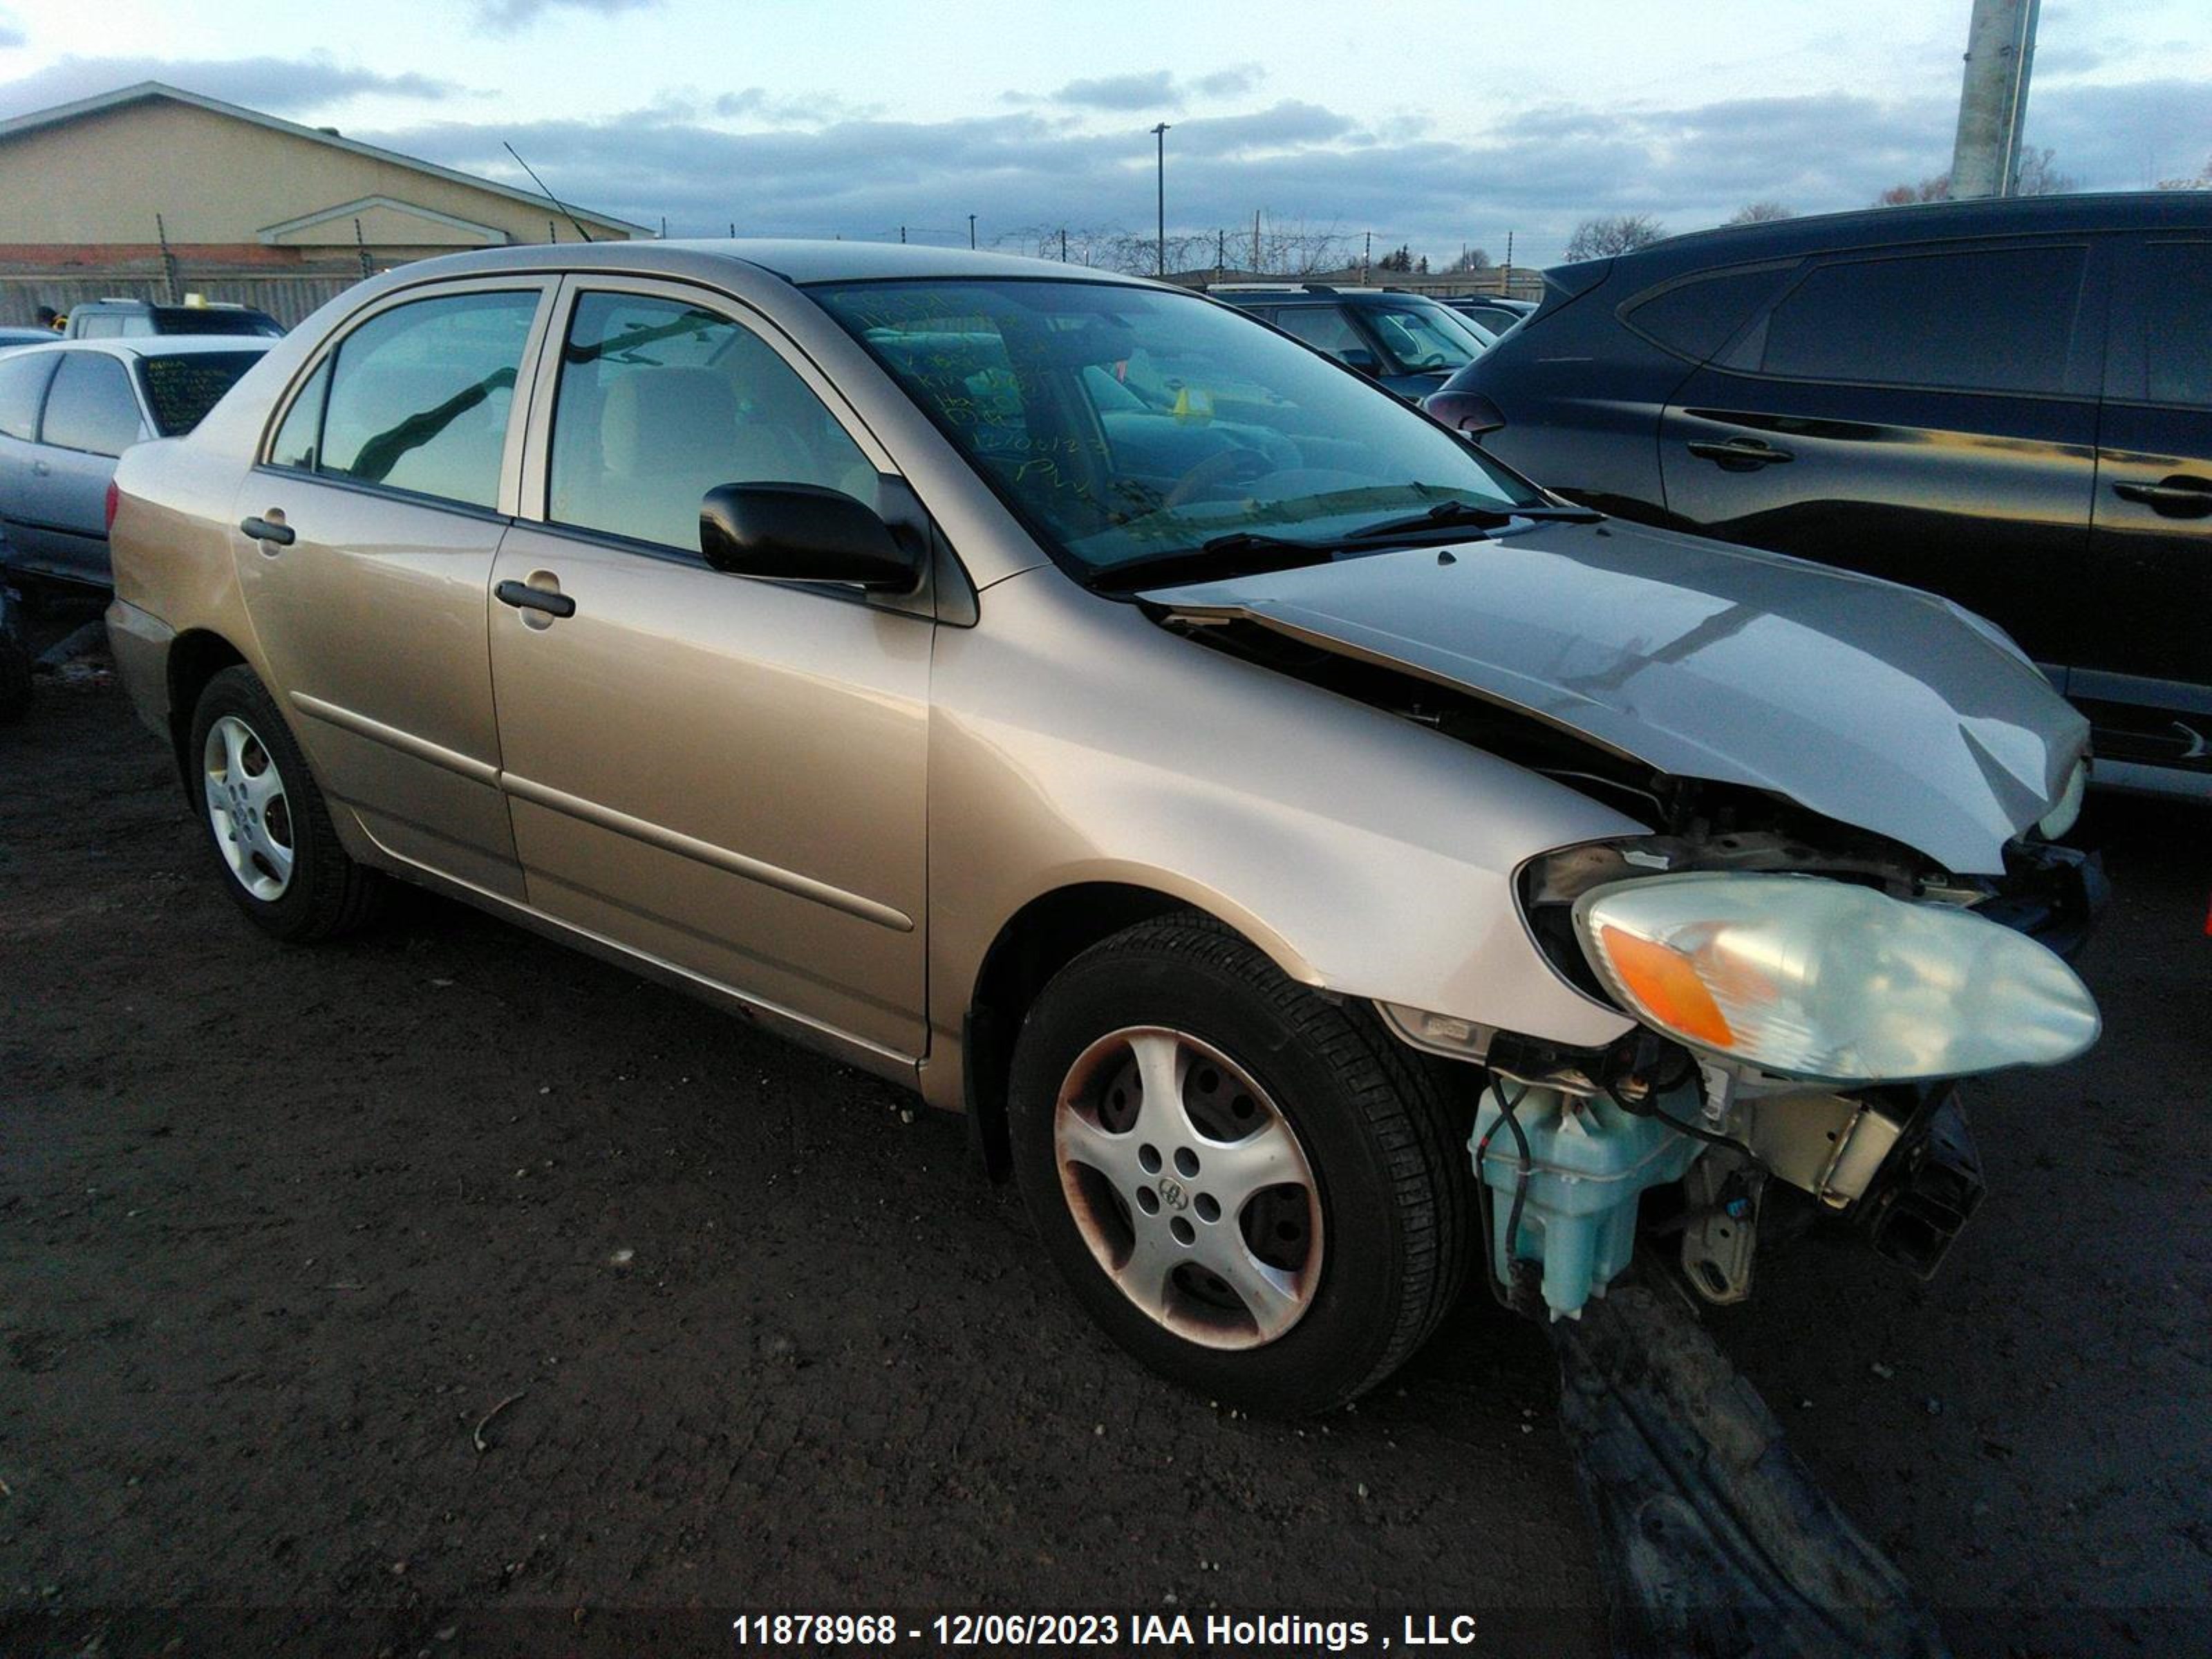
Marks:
<point>1759,213</point>
<point>2036,174</point>
<point>1293,249</point>
<point>1614,233</point>
<point>1936,189</point>
<point>1472,258</point>
<point>2202,180</point>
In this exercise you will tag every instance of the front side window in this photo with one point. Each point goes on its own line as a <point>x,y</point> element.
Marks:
<point>23,378</point>
<point>2001,320</point>
<point>181,389</point>
<point>90,407</point>
<point>1124,424</point>
<point>420,395</point>
<point>660,401</point>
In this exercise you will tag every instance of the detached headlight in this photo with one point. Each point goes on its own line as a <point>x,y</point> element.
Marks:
<point>1815,978</point>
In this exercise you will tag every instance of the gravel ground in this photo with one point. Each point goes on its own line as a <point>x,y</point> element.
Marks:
<point>280,1229</point>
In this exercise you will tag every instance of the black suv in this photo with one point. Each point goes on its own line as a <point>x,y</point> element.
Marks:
<point>1407,342</point>
<point>2007,402</point>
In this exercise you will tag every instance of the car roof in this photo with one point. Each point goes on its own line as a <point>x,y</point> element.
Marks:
<point>1926,221</point>
<point>160,345</point>
<point>1238,295</point>
<point>797,262</point>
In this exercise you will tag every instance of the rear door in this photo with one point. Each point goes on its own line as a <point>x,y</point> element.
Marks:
<point>1924,415</point>
<point>91,417</point>
<point>364,550</point>
<point>24,377</point>
<point>2148,680</point>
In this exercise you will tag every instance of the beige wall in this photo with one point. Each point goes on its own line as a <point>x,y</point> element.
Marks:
<point>101,179</point>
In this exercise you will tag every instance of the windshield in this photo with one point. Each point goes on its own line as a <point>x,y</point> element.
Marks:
<point>1127,424</point>
<point>1422,337</point>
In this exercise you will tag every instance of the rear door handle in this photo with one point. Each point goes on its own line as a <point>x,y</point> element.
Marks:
<point>269,529</point>
<point>1739,455</point>
<point>2181,496</point>
<point>40,469</point>
<point>523,597</point>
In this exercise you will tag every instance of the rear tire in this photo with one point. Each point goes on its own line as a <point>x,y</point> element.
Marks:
<point>266,823</point>
<point>1281,1219</point>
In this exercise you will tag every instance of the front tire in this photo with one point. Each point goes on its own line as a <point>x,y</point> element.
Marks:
<point>1251,1186</point>
<point>266,822</point>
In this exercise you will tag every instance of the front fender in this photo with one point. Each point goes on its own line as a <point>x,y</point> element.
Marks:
<point>1075,741</point>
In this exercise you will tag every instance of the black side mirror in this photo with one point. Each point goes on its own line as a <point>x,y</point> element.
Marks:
<point>1359,358</point>
<point>1468,412</point>
<point>803,532</point>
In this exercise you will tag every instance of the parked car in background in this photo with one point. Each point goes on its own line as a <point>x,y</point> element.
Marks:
<point>2009,402</point>
<point>124,319</point>
<point>67,410</point>
<point>11,339</point>
<point>1495,312</point>
<point>1061,694</point>
<point>1409,343</point>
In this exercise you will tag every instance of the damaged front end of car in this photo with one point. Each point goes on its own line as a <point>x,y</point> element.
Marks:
<point>1802,1024</point>
<point>1851,894</point>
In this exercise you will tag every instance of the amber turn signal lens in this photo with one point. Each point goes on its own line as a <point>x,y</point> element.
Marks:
<point>1668,986</point>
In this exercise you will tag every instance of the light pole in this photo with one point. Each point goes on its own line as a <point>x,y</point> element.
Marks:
<point>1160,137</point>
<point>971,230</point>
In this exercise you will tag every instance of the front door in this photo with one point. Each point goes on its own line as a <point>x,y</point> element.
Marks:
<point>365,551</point>
<point>722,773</point>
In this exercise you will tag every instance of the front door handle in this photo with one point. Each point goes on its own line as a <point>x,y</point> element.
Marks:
<point>40,469</point>
<point>270,529</point>
<point>523,597</point>
<point>1739,455</point>
<point>2181,496</point>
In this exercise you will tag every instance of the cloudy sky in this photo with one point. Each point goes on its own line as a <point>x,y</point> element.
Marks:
<point>1435,123</point>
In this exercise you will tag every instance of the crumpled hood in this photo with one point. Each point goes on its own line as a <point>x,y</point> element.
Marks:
<point>1875,705</point>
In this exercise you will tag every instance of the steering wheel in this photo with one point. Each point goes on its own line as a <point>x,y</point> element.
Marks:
<point>1223,467</point>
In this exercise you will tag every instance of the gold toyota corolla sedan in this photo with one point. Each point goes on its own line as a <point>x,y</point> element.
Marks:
<point>1317,860</point>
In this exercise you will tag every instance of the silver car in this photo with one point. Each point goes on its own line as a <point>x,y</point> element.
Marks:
<point>1319,862</point>
<point>67,410</point>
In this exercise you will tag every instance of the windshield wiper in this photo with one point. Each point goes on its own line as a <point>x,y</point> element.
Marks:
<point>1466,515</point>
<point>1239,553</point>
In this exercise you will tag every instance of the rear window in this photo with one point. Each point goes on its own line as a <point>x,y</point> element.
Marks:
<point>1695,318</point>
<point>2000,320</point>
<point>181,389</point>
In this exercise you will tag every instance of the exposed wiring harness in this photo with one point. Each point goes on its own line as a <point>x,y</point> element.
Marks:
<point>1649,1106</point>
<point>1502,1286</point>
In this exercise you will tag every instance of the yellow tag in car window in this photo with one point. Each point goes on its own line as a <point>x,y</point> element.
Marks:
<point>1192,405</point>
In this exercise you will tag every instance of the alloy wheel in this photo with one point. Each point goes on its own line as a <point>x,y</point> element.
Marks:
<point>247,808</point>
<point>1190,1187</point>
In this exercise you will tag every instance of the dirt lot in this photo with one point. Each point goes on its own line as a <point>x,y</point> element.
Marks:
<point>280,1229</point>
